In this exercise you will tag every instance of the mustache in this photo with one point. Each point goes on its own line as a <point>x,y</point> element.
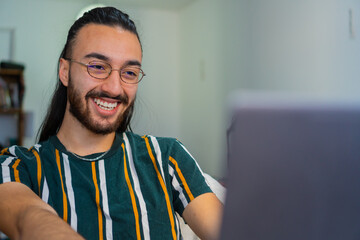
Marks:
<point>95,94</point>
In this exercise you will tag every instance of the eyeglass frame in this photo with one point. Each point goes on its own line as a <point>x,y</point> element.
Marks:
<point>111,70</point>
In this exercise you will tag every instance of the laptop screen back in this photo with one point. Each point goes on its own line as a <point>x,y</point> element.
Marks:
<point>294,172</point>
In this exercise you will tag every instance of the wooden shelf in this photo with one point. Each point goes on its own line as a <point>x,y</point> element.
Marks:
<point>10,110</point>
<point>11,76</point>
<point>10,72</point>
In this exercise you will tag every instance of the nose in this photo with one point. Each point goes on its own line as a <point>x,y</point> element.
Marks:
<point>113,84</point>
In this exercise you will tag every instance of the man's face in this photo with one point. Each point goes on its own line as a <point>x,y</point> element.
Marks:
<point>100,104</point>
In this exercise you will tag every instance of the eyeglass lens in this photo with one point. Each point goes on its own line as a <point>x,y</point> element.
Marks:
<point>102,70</point>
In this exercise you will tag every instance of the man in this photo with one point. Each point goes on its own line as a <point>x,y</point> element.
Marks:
<point>88,177</point>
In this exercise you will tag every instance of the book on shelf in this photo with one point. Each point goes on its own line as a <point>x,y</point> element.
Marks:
<point>9,95</point>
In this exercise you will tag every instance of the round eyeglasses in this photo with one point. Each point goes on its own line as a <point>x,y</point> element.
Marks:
<point>102,70</point>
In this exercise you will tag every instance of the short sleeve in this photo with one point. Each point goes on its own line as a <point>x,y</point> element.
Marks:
<point>187,178</point>
<point>17,166</point>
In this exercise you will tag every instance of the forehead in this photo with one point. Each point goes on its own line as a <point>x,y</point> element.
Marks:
<point>115,43</point>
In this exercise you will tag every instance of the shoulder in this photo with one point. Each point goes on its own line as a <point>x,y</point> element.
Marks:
<point>17,164</point>
<point>16,152</point>
<point>152,140</point>
<point>167,146</point>
<point>24,154</point>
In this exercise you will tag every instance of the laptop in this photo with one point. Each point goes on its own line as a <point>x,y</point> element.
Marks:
<point>294,169</point>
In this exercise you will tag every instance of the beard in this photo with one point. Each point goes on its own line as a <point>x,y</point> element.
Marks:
<point>82,113</point>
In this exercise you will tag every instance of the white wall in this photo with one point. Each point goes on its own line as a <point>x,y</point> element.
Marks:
<point>299,45</point>
<point>202,83</point>
<point>157,110</point>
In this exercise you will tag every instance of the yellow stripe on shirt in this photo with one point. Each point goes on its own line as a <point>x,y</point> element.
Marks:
<point>38,167</point>
<point>162,183</point>
<point>97,199</point>
<point>16,172</point>
<point>65,207</point>
<point>5,150</point>
<point>132,195</point>
<point>181,176</point>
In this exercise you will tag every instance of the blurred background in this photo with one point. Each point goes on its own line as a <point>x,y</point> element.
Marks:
<point>196,52</point>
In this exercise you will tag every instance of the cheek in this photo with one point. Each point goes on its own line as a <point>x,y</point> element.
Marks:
<point>82,84</point>
<point>131,92</point>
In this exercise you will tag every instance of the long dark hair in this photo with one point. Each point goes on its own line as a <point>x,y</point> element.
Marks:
<point>106,16</point>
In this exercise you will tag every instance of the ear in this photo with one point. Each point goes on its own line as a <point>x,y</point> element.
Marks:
<point>64,71</point>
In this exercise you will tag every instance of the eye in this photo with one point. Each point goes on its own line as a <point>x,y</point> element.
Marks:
<point>99,70</point>
<point>130,73</point>
<point>97,67</point>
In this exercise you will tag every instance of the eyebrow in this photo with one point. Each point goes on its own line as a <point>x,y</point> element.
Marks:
<point>105,58</point>
<point>97,55</point>
<point>132,63</point>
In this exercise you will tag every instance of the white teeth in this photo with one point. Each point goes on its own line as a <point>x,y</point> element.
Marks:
<point>105,105</point>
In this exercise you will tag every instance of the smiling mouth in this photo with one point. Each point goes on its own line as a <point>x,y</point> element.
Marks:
<point>105,105</point>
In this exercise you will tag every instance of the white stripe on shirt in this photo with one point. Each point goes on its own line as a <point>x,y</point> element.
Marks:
<point>144,215</point>
<point>37,147</point>
<point>70,192</point>
<point>177,187</point>
<point>12,150</point>
<point>158,154</point>
<point>105,201</point>
<point>45,191</point>
<point>6,169</point>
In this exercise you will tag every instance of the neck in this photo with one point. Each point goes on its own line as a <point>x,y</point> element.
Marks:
<point>81,141</point>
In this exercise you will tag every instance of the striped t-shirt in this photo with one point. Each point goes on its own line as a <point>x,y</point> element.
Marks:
<point>130,192</point>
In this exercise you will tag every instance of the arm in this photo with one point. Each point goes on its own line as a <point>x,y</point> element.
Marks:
<point>23,215</point>
<point>203,215</point>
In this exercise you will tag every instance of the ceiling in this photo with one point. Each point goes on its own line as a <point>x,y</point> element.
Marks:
<point>160,4</point>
